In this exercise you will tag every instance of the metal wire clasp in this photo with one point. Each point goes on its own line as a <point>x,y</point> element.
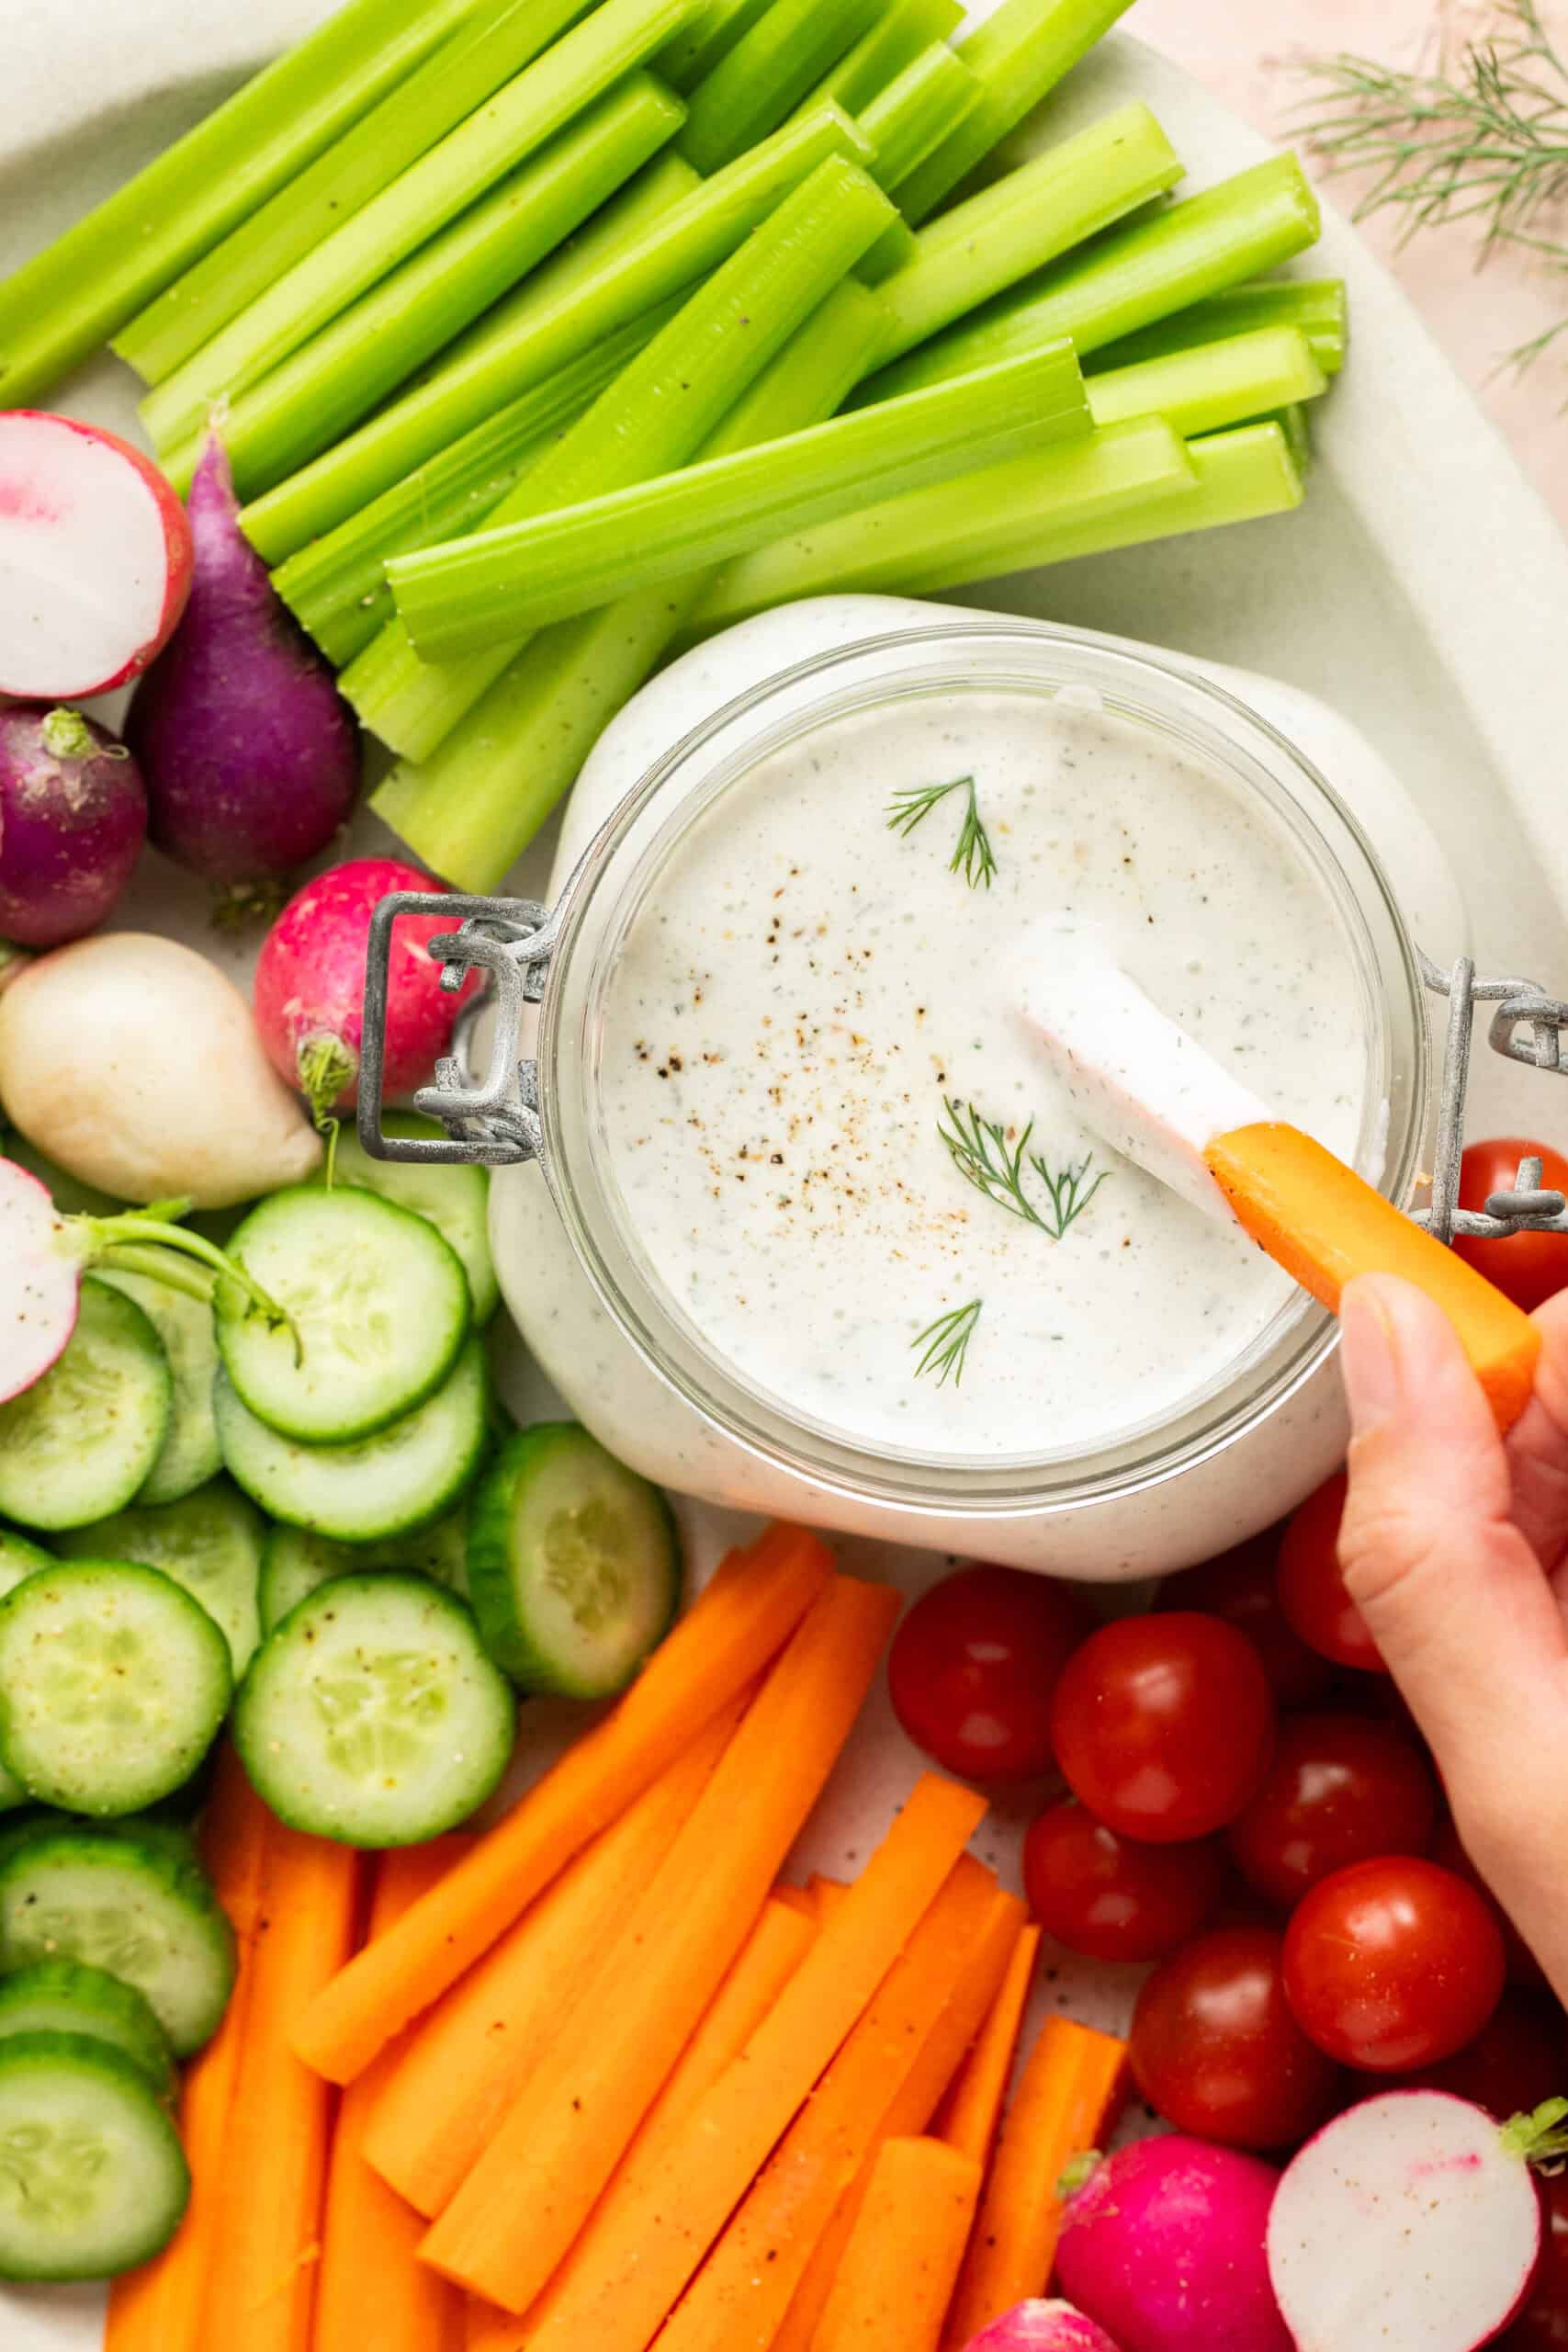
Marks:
<point>1521,1007</point>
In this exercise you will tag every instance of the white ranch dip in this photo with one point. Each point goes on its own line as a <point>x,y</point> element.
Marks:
<point>803,990</point>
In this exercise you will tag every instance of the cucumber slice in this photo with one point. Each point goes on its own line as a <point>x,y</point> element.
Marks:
<point>67,1996</point>
<point>379,1302</point>
<point>113,1685</point>
<point>93,2178</point>
<point>401,1479</point>
<point>295,1565</point>
<point>19,1558</point>
<point>574,1564</point>
<point>191,1454</point>
<point>373,1715</point>
<point>82,1440</point>
<point>130,1904</point>
<point>211,1542</point>
<point>455,1200</point>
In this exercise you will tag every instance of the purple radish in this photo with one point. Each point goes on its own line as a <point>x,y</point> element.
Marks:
<point>1164,2248</point>
<point>72,820</point>
<point>1042,2327</point>
<point>1411,2220</point>
<point>250,753</point>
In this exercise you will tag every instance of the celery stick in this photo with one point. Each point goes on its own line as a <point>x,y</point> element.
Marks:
<point>656,413</point>
<point>1036,213</point>
<point>916,110</point>
<point>1316,305</point>
<point>941,537</point>
<point>59,306</point>
<point>907,29</point>
<point>498,40</point>
<point>477,803</point>
<point>1017,55</point>
<point>324,388</point>
<point>455,174</point>
<point>1296,427</point>
<point>1133,275</point>
<point>1216,385</point>
<point>709,35</point>
<point>546,324</point>
<point>476,591</point>
<point>760,82</point>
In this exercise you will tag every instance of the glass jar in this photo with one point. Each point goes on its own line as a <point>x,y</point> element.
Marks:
<point>1237,1453</point>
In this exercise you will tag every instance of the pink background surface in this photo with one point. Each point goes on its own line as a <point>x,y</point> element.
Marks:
<point>1242,51</point>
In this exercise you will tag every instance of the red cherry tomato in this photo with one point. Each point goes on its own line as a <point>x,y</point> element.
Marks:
<point>1312,1588</point>
<point>1340,1790</point>
<point>1528,1268</point>
<point>1519,2059</point>
<point>1542,2324</point>
<point>1522,1964</point>
<point>1216,2051</point>
<point>1164,1725</point>
<point>1110,1898</point>
<point>1240,1587</point>
<point>1392,1964</point>
<point>974,1666</point>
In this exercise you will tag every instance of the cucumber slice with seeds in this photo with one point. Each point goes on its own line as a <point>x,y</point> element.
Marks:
<point>401,1479</point>
<point>380,1303</point>
<point>455,1200</point>
<point>185,1325</point>
<point>373,1715</point>
<point>82,1440</point>
<point>113,1685</point>
<point>295,1565</point>
<point>93,2178</point>
<point>211,1542</point>
<point>574,1564</point>
<point>67,1996</point>
<point>19,1558</point>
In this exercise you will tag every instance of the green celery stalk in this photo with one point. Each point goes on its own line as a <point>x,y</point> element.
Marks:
<point>1017,55</point>
<point>916,110</point>
<point>658,412</point>
<point>960,530</point>
<point>336,586</point>
<point>329,385</point>
<point>1135,273</point>
<point>548,322</point>
<point>1037,213</point>
<point>496,41</point>
<point>760,82</point>
<point>456,173</point>
<point>1316,305</point>
<point>1295,424</point>
<point>552,566</point>
<point>707,36</point>
<point>57,308</point>
<point>1215,385</point>
<point>483,796</point>
<point>906,30</point>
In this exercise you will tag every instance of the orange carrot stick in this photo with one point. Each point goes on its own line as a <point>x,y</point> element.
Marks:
<point>373,2291</point>
<point>462,2066</point>
<point>795,1898</point>
<point>660,2215</point>
<point>1064,2101</point>
<point>739,2299</point>
<point>826,1894</point>
<point>980,2092</point>
<point>530,2193</point>
<point>895,2280</point>
<point>1320,1221</point>
<point>746,1614</point>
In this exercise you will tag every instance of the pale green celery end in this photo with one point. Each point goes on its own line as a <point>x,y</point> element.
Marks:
<point>1318,306</point>
<point>456,173</point>
<point>1019,55</point>
<point>880,55</point>
<point>58,308</point>
<point>913,113</point>
<point>495,41</point>
<point>1213,385</point>
<point>763,79</point>
<point>1295,424</point>
<point>1244,476</point>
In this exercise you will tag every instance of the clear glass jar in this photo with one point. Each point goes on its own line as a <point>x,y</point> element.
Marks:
<point>1232,1458</point>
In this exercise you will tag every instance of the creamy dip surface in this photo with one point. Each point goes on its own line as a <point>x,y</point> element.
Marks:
<point>809,996</point>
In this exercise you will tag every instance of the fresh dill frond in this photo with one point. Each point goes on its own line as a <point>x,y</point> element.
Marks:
<point>1070,1190</point>
<point>946,1343</point>
<point>979,1149</point>
<point>973,857</point>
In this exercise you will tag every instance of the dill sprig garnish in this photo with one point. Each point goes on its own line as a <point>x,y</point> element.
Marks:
<point>979,1149</point>
<point>946,1343</point>
<point>973,857</point>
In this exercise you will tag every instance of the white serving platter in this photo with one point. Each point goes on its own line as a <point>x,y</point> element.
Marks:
<point>1423,590</point>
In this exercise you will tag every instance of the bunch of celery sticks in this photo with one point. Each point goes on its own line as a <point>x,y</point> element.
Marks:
<point>546,340</point>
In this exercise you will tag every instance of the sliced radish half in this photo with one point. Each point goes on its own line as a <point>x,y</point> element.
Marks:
<point>40,1281</point>
<point>1411,2220</point>
<point>94,559</point>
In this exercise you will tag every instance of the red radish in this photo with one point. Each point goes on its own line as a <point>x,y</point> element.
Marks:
<point>1042,2327</point>
<point>309,987</point>
<point>1164,2247</point>
<point>1411,2220</point>
<point>72,820</point>
<point>96,559</point>
<point>250,755</point>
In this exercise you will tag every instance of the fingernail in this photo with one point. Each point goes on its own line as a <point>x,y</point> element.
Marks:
<point>1369,1352</point>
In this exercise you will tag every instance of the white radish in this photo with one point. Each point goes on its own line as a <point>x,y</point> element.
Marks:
<point>1411,2220</point>
<point>94,559</point>
<point>41,1280</point>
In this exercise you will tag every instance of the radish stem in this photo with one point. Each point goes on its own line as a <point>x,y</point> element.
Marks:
<point>106,1233</point>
